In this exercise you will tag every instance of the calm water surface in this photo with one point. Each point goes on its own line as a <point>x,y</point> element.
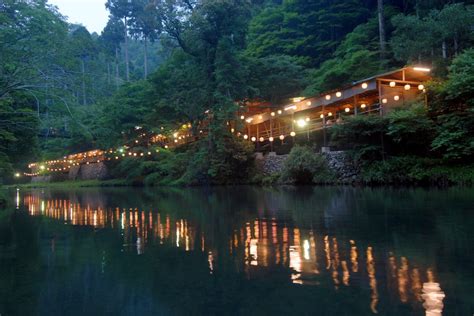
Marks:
<point>238,250</point>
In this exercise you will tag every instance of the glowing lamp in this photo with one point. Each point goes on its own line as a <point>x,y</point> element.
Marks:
<point>363,105</point>
<point>407,87</point>
<point>282,137</point>
<point>271,139</point>
<point>307,119</point>
<point>328,97</point>
<point>330,114</point>
<point>396,98</point>
<point>261,139</point>
<point>347,110</point>
<point>384,101</point>
<point>292,134</point>
<point>232,130</point>
<point>279,111</point>
<point>365,85</point>
<point>422,69</point>
<point>338,94</point>
<point>242,117</point>
<point>421,87</point>
<point>308,103</point>
<point>392,84</point>
<point>17,175</point>
<point>246,136</point>
<point>42,167</point>
<point>272,114</point>
<point>254,139</point>
<point>301,123</point>
<point>321,116</point>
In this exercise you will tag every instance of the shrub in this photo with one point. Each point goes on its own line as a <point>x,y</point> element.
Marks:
<point>303,166</point>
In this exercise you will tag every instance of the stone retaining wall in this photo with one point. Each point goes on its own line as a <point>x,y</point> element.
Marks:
<point>95,171</point>
<point>338,161</point>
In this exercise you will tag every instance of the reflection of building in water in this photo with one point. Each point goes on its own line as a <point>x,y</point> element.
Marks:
<point>262,245</point>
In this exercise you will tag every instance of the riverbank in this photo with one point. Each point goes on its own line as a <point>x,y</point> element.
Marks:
<point>72,184</point>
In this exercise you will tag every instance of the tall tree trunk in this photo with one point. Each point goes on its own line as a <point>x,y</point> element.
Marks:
<point>145,61</point>
<point>381,29</point>
<point>443,47</point>
<point>108,72</point>
<point>456,45</point>
<point>127,69</point>
<point>83,66</point>
<point>117,77</point>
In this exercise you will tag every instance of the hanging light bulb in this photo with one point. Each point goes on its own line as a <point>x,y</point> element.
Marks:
<point>338,94</point>
<point>384,101</point>
<point>246,136</point>
<point>282,137</point>
<point>363,105</point>
<point>330,114</point>
<point>365,85</point>
<point>328,97</point>
<point>396,98</point>
<point>321,116</point>
<point>242,117</point>
<point>292,134</point>
<point>279,112</point>
<point>407,87</point>
<point>421,87</point>
<point>347,110</point>
<point>307,119</point>
<point>272,114</point>
<point>392,84</point>
<point>261,139</point>
<point>271,139</point>
<point>308,103</point>
<point>254,139</point>
<point>301,123</point>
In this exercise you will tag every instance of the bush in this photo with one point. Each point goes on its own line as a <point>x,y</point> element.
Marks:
<point>416,170</point>
<point>303,166</point>
<point>3,198</point>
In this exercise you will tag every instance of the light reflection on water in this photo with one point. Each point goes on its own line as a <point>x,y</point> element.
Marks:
<point>312,256</point>
<point>366,247</point>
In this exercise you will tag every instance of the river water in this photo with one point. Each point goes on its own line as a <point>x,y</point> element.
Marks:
<point>238,251</point>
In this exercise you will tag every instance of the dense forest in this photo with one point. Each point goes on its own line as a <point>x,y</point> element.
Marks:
<point>159,64</point>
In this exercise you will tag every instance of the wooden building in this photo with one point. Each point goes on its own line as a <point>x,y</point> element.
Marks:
<point>378,94</point>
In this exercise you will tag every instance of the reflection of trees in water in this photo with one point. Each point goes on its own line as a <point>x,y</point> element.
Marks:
<point>293,236</point>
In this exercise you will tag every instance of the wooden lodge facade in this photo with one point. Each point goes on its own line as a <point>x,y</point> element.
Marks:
<point>378,95</point>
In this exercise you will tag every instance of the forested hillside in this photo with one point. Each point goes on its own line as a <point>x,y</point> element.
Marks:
<point>162,63</point>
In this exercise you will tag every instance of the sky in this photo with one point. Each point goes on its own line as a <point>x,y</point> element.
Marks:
<point>90,13</point>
